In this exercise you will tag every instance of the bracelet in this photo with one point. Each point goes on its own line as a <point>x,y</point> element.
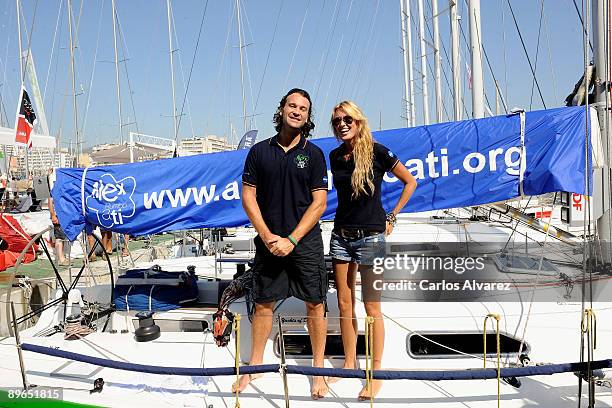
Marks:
<point>391,219</point>
<point>293,240</point>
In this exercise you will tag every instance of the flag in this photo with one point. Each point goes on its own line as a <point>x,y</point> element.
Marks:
<point>26,118</point>
<point>247,140</point>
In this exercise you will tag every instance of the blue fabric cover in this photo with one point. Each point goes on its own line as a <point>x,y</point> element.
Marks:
<point>473,374</point>
<point>157,297</point>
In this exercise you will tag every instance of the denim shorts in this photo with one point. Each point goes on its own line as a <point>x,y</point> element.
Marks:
<point>361,251</point>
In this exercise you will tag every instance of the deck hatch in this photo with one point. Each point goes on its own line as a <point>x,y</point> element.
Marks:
<point>423,345</point>
<point>297,345</point>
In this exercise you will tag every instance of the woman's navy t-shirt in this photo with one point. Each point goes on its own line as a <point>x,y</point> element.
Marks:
<point>365,211</point>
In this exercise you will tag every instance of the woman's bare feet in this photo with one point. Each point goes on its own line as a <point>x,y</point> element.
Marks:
<point>364,395</point>
<point>319,388</point>
<point>332,380</point>
<point>244,381</point>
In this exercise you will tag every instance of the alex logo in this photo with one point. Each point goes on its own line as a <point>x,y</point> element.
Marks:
<point>301,161</point>
<point>111,200</point>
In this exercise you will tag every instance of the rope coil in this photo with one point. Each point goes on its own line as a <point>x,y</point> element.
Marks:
<point>496,317</point>
<point>589,325</point>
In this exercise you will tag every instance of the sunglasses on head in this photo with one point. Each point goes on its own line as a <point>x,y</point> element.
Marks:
<point>346,119</point>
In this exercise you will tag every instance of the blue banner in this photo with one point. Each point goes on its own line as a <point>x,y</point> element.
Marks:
<point>456,164</point>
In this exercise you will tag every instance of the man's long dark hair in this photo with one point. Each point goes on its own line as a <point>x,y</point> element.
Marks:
<point>278,116</point>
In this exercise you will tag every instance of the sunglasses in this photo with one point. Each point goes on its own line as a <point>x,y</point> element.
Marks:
<point>346,119</point>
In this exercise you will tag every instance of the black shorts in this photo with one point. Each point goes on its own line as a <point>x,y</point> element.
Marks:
<point>300,274</point>
<point>59,232</point>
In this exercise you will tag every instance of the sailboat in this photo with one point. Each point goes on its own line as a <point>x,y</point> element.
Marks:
<point>439,348</point>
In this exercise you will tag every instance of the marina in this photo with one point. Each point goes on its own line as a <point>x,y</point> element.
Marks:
<point>493,287</point>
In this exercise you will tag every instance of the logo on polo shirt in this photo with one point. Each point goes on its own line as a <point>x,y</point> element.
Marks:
<point>301,161</point>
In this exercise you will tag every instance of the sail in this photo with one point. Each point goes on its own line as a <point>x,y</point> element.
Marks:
<point>456,164</point>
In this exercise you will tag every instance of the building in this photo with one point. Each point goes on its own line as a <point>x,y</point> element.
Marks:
<point>208,144</point>
<point>39,160</point>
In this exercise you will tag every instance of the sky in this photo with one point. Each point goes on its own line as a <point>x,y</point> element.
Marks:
<point>335,49</point>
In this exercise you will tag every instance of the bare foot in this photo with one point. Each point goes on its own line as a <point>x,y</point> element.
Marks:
<point>364,395</point>
<point>244,381</point>
<point>332,380</point>
<point>319,388</point>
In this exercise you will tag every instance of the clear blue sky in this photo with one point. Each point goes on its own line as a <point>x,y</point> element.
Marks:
<point>336,49</point>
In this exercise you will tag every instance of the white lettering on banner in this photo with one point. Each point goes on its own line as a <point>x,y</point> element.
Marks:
<point>179,195</point>
<point>154,198</point>
<point>182,197</point>
<point>435,166</point>
<point>231,192</point>
<point>203,193</point>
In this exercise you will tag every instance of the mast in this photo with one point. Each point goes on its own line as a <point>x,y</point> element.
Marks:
<point>169,7</point>
<point>19,39</point>
<point>117,71</point>
<point>601,32</point>
<point>240,46</point>
<point>456,60</point>
<point>437,61</point>
<point>74,101</point>
<point>21,77</point>
<point>410,62</point>
<point>423,51</point>
<point>476,51</point>
<point>407,65</point>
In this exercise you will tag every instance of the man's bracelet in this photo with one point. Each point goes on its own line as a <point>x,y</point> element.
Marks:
<point>293,240</point>
<point>391,219</point>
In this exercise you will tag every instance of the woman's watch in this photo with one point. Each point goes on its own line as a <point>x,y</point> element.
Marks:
<point>391,219</point>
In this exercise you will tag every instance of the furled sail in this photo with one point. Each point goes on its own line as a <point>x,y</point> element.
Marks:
<point>456,164</point>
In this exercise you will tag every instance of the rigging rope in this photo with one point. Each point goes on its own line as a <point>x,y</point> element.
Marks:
<point>537,52</point>
<point>297,44</point>
<point>195,52</point>
<point>263,75</point>
<point>526,53</point>
<point>59,13</point>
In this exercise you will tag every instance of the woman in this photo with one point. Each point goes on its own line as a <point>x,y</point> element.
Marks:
<point>361,225</point>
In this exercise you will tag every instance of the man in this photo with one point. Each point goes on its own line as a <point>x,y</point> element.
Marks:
<point>284,194</point>
<point>60,236</point>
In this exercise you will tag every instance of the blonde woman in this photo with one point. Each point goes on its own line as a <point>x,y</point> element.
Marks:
<point>361,224</point>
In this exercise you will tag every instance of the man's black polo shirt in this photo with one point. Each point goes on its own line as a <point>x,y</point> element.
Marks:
<point>285,182</point>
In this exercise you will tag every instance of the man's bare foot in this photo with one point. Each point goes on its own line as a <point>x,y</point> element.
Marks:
<point>319,388</point>
<point>332,380</point>
<point>364,395</point>
<point>244,381</point>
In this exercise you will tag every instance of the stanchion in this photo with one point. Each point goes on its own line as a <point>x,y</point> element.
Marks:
<point>589,328</point>
<point>283,365</point>
<point>19,351</point>
<point>237,359</point>
<point>484,340</point>
<point>368,357</point>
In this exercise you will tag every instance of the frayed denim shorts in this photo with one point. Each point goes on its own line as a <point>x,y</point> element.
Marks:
<point>360,250</point>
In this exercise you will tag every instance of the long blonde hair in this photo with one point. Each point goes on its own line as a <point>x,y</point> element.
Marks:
<point>363,149</point>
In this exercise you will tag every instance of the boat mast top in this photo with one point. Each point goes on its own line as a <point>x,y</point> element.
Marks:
<point>174,121</point>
